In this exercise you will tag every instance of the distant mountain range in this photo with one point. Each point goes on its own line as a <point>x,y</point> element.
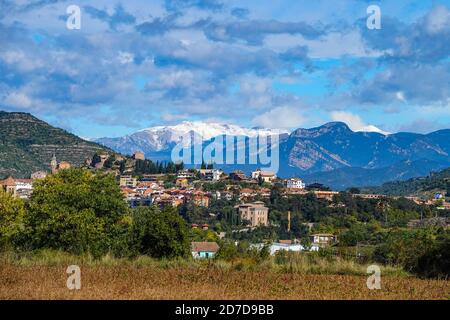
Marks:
<point>331,154</point>
<point>335,155</point>
<point>27,145</point>
<point>157,142</point>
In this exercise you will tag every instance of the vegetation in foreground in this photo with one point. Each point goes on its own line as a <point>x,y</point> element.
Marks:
<point>42,275</point>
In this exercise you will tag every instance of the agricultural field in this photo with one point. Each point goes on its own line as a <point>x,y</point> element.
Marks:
<point>148,279</point>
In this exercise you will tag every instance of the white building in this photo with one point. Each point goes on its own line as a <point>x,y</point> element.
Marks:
<point>211,174</point>
<point>294,183</point>
<point>323,239</point>
<point>21,188</point>
<point>266,176</point>
<point>275,247</point>
<point>185,174</point>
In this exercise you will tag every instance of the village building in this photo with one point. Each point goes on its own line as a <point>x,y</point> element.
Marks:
<point>185,174</point>
<point>266,176</point>
<point>8,185</point>
<point>204,249</point>
<point>254,213</point>
<point>165,199</point>
<point>20,188</point>
<point>127,181</point>
<point>227,195</point>
<point>157,177</point>
<point>211,174</point>
<point>247,192</point>
<point>238,175</point>
<point>201,200</point>
<point>327,195</point>
<point>55,166</point>
<point>323,239</point>
<point>368,196</point>
<point>138,155</point>
<point>278,246</point>
<point>182,182</point>
<point>38,175</point>
<point>294,183</point>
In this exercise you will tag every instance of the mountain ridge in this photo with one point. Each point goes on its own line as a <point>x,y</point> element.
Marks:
<point>28,143</point>
<point>316,153</point>
<point>434,182</point>
<point>162,138</point>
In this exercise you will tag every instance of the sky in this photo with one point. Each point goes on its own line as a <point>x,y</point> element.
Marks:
<point>277,64</point>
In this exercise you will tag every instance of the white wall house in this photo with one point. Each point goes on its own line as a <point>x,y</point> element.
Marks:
<point>294,183</point>
<point>266,176</point>
<point>275,247</point>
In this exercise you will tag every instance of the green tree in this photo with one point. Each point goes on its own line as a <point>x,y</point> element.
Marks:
<point>228,251</point>
<point>435,263</point>
<point>12,212</point>
<point>95,159</point>
<point>203,235</point>
<point>75,210</point>
<point>160,233</point>
<point>405,247</point>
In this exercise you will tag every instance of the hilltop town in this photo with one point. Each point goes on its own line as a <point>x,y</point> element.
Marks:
<point>236,206</point>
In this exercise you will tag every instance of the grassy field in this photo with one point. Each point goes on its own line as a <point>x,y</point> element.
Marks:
<point>44,277</point>
<point>132,282</point>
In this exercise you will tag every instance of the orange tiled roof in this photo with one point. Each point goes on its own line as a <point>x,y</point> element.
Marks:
<point>204,246</point>
<point>9,182</point>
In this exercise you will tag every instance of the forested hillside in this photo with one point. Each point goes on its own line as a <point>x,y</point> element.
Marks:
<point>27,145</point>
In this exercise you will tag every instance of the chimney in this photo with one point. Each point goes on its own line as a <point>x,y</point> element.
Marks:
<point>289,221</point>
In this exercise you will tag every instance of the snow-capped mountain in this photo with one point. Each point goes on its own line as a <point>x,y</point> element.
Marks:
<point>331,153</point>
<point>160,139</point>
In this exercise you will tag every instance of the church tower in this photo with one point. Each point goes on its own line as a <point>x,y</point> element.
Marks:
<point>54,164</point>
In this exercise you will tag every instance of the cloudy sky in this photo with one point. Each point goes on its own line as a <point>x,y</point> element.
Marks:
<point>281,64</point>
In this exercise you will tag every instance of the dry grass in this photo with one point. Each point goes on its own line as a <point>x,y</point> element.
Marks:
<point>134,281</point>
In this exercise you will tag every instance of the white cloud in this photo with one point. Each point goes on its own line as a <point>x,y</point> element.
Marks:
<point>18,100</point>
<point>400,95</point>
<point>355,122</point>
<point>438,19</point>
<point>125,57</point>
<point>280,118</point>
<point>169,117</point>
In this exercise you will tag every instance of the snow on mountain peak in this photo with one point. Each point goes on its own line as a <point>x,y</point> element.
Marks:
<point>210,130</point>
<point>162,137</point>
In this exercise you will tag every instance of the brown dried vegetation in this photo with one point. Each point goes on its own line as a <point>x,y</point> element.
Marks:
<point>203,282</point>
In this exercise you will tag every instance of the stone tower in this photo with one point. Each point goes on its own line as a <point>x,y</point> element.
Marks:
<point>54,164</point>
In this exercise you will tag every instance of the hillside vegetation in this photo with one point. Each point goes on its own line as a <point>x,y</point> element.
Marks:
<point>423,186</point>
<point>27,145</point>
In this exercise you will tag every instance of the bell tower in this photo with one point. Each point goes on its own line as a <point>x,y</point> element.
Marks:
<point>54,164</point>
